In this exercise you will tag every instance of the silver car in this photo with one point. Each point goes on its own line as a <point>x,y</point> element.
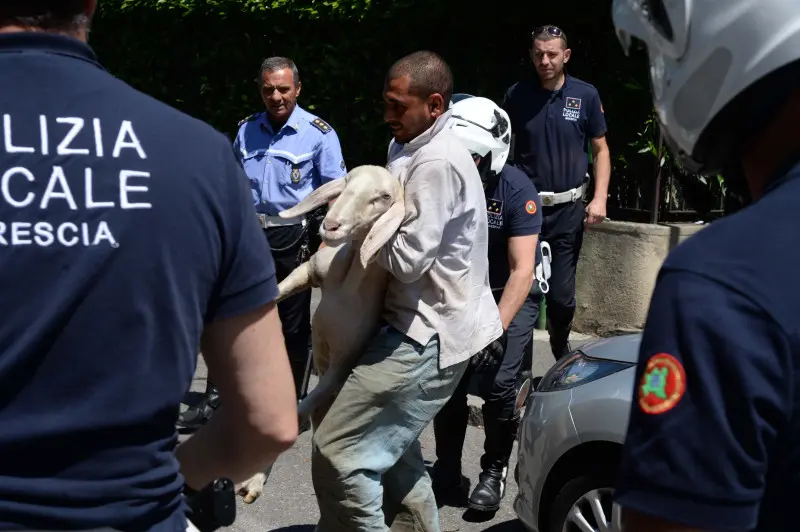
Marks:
<point>571,437</point>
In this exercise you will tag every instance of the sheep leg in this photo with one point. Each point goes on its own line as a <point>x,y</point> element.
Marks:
<point>297,281</point>
<point>330,382</point>
<point>252,488</point>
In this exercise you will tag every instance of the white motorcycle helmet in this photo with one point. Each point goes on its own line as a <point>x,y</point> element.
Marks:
<point>719,70</point>
<point>483,128</point>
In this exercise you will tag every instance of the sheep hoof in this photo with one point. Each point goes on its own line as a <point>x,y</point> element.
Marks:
<point>252,488</point>
<point>251,497</point>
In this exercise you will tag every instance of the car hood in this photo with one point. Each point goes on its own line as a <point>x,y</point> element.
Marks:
<point>624,348</point>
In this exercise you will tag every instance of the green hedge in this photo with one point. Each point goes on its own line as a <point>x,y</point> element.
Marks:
<point>203,58</point>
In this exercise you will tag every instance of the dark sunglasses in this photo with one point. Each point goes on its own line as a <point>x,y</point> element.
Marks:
<point>555,31</point>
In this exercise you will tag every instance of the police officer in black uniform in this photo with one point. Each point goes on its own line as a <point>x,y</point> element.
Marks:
<point>286,152</point>
<point>515,219</point>
<point>554,117</point>
<point>116,254</point>
<point>713,439</point>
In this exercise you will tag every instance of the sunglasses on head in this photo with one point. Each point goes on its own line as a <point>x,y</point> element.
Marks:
<point>555,31</point>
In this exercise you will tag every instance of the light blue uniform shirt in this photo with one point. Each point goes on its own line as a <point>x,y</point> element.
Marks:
<point>284,167</point>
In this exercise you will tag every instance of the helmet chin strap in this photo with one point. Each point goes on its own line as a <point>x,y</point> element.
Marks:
<point>484,168</point>
<point>489,178</point>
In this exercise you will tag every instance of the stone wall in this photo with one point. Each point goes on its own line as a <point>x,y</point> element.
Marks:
<point>617,271</point>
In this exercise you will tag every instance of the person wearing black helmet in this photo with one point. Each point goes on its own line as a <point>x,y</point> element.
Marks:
<point>118,253</point>
<point>713,438</point>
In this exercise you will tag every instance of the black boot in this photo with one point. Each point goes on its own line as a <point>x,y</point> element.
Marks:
<point>195,417</point>
<point>491,486</point>
<point>559,341</point>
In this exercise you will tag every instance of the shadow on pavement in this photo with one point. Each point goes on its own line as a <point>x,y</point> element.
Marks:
<point>295,528</point>
<point>512,525</point>
<point>473,516</point>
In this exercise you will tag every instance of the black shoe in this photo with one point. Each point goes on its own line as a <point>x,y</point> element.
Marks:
<point>560,349</point>
<point>450,487</point>
<point>489,491</point>
<point>198,415</point>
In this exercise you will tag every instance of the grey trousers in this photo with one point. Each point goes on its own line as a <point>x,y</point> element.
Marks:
<point>366,452</point>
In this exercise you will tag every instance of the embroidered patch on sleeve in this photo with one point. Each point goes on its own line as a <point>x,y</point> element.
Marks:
<point>530,207</point>
<point>663,384</point>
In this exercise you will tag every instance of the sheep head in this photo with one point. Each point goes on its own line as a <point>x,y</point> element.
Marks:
<point>369,208</point>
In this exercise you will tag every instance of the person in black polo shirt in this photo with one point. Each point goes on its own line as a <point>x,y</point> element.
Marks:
<point>554,118</point>
<point>713,439</point>
<point>126,234</point>
<point>515,218</point>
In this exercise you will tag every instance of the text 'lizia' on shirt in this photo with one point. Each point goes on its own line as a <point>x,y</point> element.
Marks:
<point>46,179</point>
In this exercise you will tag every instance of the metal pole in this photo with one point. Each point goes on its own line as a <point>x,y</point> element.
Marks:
<point>654,212</point>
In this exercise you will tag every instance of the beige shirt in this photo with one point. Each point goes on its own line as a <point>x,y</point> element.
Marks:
<point>439,256</point>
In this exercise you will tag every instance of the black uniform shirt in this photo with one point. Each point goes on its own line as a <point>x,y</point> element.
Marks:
<point>514,209</point>
<point>125,225</point>
<point>552,130</point>
<point>714,434</point>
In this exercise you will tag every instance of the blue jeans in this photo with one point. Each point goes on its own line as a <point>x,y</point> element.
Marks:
<point>368,440</point>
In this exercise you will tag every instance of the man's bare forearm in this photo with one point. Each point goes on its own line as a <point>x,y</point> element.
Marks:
<point>602,174</point>
<point>516,290</point>
<point>218,450</point>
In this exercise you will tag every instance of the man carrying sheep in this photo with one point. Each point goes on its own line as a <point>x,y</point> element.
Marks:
<point>439,312</point>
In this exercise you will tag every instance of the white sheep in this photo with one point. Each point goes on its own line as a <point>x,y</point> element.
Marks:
<point>369,209</point>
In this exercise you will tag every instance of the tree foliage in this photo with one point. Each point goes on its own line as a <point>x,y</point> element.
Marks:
<point>202,56</point>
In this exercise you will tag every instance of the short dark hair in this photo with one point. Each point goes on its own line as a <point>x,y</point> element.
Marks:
<point>43,14</point>
<point>428,73</point>
<point>271,64</point>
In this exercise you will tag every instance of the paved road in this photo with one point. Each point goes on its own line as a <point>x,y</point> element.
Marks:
<point>289,505</point>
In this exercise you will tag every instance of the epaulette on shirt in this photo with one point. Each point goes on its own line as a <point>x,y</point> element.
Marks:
<point>248,119</point>
<point>321,125</point>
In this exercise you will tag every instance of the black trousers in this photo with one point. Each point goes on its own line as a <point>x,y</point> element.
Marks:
<point>498,388</point>
<point>562,229</point>
<point>295,311</point>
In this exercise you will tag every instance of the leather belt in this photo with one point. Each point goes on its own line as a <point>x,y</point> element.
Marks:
<point>556,198</point>
<point>267,221</point>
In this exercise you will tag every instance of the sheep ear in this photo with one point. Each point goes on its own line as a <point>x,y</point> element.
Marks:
<point>382,230</point>
<point>317,198</point>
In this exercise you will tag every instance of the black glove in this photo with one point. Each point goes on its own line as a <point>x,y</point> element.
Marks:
<point>491,355</point>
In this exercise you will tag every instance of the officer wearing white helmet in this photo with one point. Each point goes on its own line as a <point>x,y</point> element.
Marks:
<point>714,434</point>
<point>515,219</point>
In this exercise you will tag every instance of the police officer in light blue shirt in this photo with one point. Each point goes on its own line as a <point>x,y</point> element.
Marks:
<point>286,152</point>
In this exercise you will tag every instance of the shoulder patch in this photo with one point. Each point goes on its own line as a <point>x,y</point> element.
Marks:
<point>494,206</point>
<point>248,119</point>
<point>321,125</point>
<point>662,385</point>
<point>530,207</point>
